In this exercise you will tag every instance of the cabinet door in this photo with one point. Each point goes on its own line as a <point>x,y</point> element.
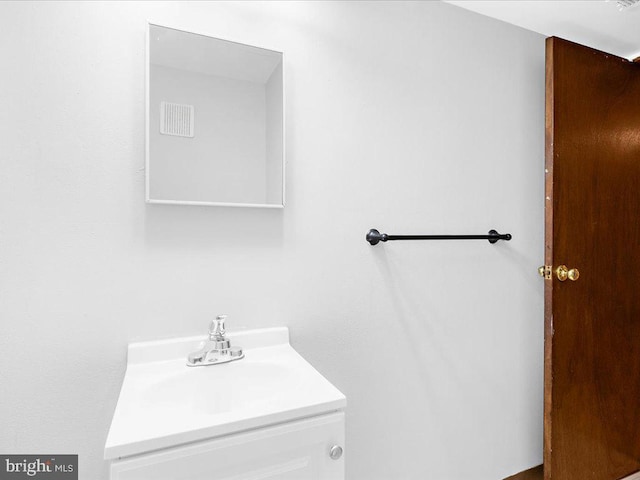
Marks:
<point>291,451</point>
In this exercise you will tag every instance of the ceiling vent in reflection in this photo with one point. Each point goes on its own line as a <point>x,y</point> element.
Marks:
<point>176,119</point>
<point>623,4</point>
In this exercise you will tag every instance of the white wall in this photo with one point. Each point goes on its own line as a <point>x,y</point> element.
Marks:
<point>409,117</point>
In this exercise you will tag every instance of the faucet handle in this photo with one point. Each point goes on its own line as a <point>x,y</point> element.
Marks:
<point>216,330</point>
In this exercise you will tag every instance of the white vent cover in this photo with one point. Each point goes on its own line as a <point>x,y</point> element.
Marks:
<point>176,119</point>
<point>623,4</point>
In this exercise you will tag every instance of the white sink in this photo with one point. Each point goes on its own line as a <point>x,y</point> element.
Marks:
<point>164,403</point>
<point>244,385</point>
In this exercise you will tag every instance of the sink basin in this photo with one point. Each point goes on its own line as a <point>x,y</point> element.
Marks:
<point>164,403</point>
<point>236,386</point>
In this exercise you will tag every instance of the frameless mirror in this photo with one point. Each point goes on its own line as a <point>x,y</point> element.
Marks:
<point>215,122</point>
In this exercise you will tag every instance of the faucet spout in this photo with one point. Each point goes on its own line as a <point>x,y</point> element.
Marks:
<point>216,329</point>
<point>217,348</point>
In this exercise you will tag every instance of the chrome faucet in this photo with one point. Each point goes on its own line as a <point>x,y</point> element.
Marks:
<point>217,349</point>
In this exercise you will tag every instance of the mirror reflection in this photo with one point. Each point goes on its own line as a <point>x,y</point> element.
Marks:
<point>214,121</point>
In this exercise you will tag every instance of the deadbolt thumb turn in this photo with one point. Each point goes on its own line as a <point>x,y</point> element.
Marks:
<point>562,272</point>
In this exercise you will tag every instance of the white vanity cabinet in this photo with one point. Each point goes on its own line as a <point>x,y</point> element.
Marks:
<point>298,450</point>
<point>268,416</point>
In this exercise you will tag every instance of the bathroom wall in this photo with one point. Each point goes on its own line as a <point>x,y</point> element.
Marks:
<point>413,117</point>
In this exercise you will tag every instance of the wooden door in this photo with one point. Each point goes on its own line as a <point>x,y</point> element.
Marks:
<point>592,324</point>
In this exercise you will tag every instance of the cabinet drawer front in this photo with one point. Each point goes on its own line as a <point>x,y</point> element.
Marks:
<point>291,451</point>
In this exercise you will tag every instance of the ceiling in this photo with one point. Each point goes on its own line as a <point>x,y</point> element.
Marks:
<point>598,24</point>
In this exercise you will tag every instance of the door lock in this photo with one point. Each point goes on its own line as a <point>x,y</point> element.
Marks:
<point>545,272</point>
<point>562,273</point>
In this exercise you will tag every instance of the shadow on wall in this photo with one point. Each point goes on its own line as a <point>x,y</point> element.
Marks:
<point>409,312</point>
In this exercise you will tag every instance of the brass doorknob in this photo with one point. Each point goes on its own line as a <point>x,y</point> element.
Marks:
<point>562,272</point>
<point>573,274</point>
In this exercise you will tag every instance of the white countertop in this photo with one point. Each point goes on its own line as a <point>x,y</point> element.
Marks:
<point>164,403</point>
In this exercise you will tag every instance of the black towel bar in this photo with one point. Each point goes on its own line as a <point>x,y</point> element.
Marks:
<point>374,237</point>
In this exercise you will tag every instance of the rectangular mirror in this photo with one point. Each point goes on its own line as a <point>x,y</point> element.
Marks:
<point>215,125</point>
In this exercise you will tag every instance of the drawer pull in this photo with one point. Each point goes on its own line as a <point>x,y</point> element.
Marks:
<point>335,452</point>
